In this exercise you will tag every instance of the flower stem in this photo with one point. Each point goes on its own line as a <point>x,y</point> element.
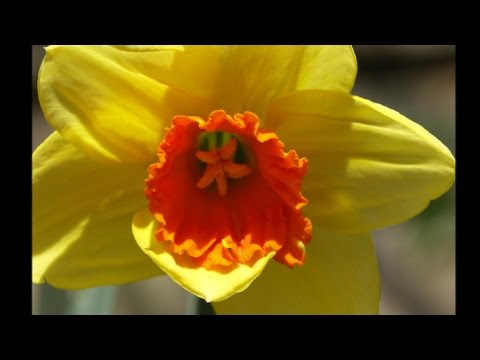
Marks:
<point>198,306</point>
<point>95,301</point>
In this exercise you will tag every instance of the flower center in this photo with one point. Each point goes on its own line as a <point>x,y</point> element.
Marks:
<point>225,193</point>
<point>220,164</point>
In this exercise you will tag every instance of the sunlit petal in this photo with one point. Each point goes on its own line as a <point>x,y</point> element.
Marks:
<point>252,76</point>
<point>115,102</point>
<point>370,166</point>
<point>339,276</point>
<point>82,213</point>
<point>212,284</point>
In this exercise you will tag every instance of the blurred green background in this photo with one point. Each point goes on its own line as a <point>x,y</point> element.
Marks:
<point>416,259</point>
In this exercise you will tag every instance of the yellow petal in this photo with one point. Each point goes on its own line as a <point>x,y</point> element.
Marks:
<point>82,213</point>
<point>252,76</point>
<point>115,102</point>
<point>369,166</point>
<point>339,276</point>
<point>207,284</point>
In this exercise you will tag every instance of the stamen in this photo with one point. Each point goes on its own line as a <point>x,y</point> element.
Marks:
<point>208,176</point>
<point>208,157</point>
<point>236,171</point>
<point>220,167</point>
<point>227,151</point>
<point>221,183</point>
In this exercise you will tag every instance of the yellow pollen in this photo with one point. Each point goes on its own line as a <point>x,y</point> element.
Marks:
<point>220,167</point>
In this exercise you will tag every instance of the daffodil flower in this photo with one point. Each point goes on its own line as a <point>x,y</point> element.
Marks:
<point>248,174</point>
